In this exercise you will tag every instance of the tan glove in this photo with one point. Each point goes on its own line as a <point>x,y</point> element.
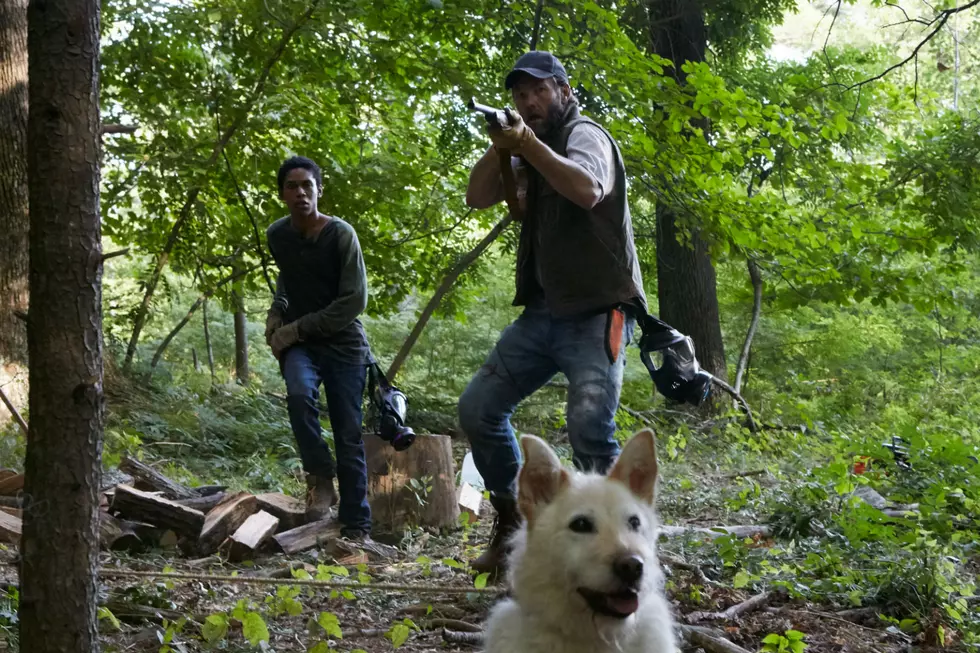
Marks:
<point>514,137</point>
<point>284,338</point>
<point>272,322</point>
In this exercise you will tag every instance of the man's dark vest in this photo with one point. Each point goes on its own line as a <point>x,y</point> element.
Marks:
<point>587,258</point>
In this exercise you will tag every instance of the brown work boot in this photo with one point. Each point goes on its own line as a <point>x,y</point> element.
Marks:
<point>508,520</point>
<point>320,497</point>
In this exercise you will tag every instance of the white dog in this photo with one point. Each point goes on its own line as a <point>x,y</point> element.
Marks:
<point>584,571</point>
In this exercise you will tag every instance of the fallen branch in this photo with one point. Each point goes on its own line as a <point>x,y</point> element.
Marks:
<point>452,624</point>
<point>715,532</point>
<point>455,637</point>
<point>708,641</point>
<point>255,580</point>
<point>735,611</point>
<point>13,411</point>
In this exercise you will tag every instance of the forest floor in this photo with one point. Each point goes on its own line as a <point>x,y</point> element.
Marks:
<point>144,614</point>
<point>819,586</point>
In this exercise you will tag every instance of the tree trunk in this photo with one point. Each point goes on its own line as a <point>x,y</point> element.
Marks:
<point>13,201</point>
<point>686,284</point>
<point>207,338</point>
<point>67,405</point>
<point>241,333</point>
<point>743,361</point>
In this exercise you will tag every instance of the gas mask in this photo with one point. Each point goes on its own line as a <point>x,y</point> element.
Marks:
<point>390,407</point>
<point>679,376</point>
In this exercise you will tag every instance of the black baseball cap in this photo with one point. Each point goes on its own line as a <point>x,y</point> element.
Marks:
<point>537,63</point>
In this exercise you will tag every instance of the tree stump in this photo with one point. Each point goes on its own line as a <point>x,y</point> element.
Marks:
<point>412,487</point>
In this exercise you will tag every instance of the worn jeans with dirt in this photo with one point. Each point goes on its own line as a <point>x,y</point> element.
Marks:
<point>528,354</point>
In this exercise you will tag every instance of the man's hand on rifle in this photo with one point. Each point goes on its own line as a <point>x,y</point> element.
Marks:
<point>513,137</point>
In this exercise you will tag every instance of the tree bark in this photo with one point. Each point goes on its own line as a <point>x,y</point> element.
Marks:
<point>743,360</point>
<point>241,333</point>
<point>142,311</point>
<point>686,284</point>
<point>14,222</point>
<point>67,404</point>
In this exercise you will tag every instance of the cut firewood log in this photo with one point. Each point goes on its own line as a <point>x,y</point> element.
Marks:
<point>13,512</point>
<point>137,505</point>
<point>394,500</point>
<point>10,528</point>
<point>12,485</point>
<point>117,535</point>
<point>308,536</point>
<point>224,519</point>
<point>290,511</point>
<point>250,535</point>
<point>6,473</point>
<point>154,480</point>
<point>204,503</point>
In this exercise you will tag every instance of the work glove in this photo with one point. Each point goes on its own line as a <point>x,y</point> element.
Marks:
<point>272,322</point>
<point>284,338</point>
<point>514,136</point>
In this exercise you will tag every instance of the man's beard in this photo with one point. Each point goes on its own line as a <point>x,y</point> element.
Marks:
<point>556,111</point>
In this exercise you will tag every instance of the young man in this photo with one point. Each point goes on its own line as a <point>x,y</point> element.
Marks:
<point>313,330</point>
<point>577,277</point>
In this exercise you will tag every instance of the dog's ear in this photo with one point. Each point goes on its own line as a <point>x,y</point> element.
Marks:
<point>636,466</point>
<point>541,476</point>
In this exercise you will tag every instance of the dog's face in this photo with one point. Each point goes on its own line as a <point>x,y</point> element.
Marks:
<point>595,536</point>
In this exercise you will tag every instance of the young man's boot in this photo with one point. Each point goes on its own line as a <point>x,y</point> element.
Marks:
<point>494,559</point>
<point>320,497</point>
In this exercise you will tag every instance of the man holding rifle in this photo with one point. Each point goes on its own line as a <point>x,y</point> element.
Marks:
<point>578,280</point>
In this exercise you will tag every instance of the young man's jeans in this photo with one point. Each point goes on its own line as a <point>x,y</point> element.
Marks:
<point>304,368</point>
<point>529,353</point>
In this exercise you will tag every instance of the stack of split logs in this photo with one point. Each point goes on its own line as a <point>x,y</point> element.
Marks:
<point>142,508</point>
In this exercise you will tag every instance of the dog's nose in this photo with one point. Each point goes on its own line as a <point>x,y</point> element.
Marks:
<point>629,568</point>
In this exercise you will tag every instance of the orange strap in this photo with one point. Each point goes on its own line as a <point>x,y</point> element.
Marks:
<point>615,322</point>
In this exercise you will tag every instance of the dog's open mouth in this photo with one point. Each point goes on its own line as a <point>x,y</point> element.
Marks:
<point>612,604</point>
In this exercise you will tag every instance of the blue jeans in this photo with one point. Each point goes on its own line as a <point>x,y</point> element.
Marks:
<point>304,369</point>
<point>528,354</point>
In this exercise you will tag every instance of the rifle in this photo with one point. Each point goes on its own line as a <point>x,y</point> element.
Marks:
<point>500,119</point>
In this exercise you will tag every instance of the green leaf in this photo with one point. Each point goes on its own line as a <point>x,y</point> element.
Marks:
<point>793,635</point>
<point>742,578</point>
<point>105,613</point>
<point>254,629</point>
<point>771,638</point>
<point>331,624</point>
<point>481,581</point>
<point>214,628</point>
<point>398,634</point>
<point>321,647</point>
